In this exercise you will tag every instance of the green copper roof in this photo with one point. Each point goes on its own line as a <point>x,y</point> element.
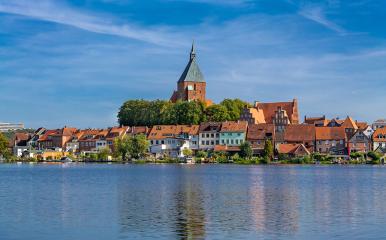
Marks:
<point>192,72</point>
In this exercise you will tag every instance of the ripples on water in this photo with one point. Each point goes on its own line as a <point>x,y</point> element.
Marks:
<point>192,202</point>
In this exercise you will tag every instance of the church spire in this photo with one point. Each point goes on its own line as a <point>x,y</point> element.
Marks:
<point>192,52</point>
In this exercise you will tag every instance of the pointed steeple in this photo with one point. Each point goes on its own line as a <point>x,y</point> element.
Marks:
<point>192,52</point>
<point>192,72</point>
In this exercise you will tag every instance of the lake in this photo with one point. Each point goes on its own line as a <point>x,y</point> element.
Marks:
<point>98,201</point>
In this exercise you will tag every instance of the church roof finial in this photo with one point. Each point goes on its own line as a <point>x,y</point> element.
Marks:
<point>192,52</point>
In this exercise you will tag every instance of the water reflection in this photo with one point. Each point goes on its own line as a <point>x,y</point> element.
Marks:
<point>169,204</point>
<point>192,202</point>
<point>274,202</point>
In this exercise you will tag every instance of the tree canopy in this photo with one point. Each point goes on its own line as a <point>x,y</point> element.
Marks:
<point>4,151</point>
<point>159,112</point>
<point>131,146</point>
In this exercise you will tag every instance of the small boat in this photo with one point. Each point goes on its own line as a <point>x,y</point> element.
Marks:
<point>66,160</point>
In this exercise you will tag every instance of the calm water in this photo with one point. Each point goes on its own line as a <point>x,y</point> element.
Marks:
<point>192,202</point>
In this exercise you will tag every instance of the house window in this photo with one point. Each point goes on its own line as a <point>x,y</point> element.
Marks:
<point>212,135</point>
<point>207,142</point>
<point>237,141</point>
<point>202,142</point>
<point>156,142</point>
<point>212,142</point>
<point>227,141</point>
<point>217,142</point>
<point>223,141</point>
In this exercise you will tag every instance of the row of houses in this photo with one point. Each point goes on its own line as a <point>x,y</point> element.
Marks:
<point>277,122</point>
<point>334,137</point>
<point>55,142</point>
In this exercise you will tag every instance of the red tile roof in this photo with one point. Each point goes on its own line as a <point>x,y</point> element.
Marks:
<point>379,135</point>
<point>296,149</point>
<point>234,126</point>
<point>260,131</point>
<point>269,110</point>
<point>349,123</point>
<point>299,133</point>
<point>171,131</point>
<point>224,148</point>
<point>330,133</point>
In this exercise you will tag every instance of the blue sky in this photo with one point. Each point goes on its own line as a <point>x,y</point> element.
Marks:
<point>72,62</point>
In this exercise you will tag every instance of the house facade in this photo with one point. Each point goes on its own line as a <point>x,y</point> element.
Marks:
<point>298,134</point>
<point>380,123</point>
<point>293,149</point>
<point>330,140</point>
<point>258,134</point>
<point>233,133</point>
<point>379,138</point>
<point>359,142</point>
<point>171,140</point>
<point>209,135</point>
<point>280,114</point>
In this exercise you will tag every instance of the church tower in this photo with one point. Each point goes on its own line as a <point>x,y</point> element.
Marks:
<point>191,86</point>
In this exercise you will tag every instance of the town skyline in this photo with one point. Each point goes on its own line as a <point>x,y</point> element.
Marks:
<point>102,54</point>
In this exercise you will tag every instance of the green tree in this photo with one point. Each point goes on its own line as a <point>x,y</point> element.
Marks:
<point>268,151</point>
<point>235,107</point>
<point>201,154</point>
<point>217,113</point>
<point>122,146</point>
<point>138,146</point>
<point>104,153</point>
<point>4,151</point>
<point>246,150</point>
<point>188,113</point>
<point>187,152</point>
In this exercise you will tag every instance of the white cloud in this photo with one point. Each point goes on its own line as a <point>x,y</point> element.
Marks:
<point>317,15</point>
<point>53,11</point>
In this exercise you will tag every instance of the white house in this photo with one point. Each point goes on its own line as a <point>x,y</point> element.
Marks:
<point>209,135</point>
<point>171,140</point>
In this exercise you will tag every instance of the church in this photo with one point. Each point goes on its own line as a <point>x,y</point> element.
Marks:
<point>191,86</point>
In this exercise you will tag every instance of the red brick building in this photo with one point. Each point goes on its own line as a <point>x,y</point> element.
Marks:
<point>191,86</point>
<point>280,114</point>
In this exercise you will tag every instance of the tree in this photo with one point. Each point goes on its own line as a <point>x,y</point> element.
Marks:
<point>235,107</point>
<point>4,151</point>
<point>122,146</point>
<point>148,113</point>
<point>104,153</point>
<point>217,113</point>
<point>188,113</point>
<point>138,146</point>
<point>201,154</point>
<point>268,151</point>
<point>246,150</point>
<point>187,152</point>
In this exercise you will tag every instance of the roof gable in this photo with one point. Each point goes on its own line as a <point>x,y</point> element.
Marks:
<point>192,72</point>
